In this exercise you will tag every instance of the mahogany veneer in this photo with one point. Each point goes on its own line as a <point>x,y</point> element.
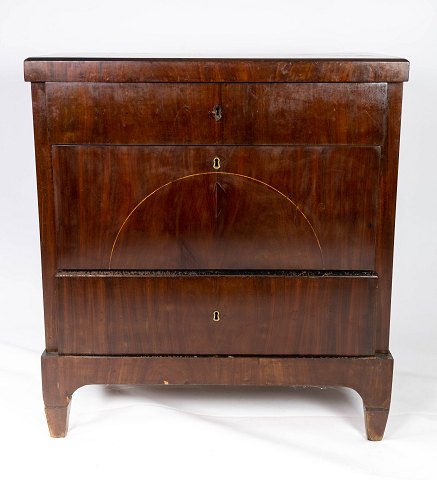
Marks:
<point>217,221</point>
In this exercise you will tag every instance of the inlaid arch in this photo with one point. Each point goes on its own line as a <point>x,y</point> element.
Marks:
<point>279,221</point>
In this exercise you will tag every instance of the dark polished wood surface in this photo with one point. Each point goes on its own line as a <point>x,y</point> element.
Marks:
<point>217,207</point>
<point>263,113</point>
<point>47,224</point>
<point>168,208</point>
<point>386,213</point>
<point>371,377</point>
<point>131,70</point>
<point>257,315</point>
<point>172,114</point>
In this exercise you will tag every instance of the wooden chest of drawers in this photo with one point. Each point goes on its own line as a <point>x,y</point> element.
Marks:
<point>224,222</point>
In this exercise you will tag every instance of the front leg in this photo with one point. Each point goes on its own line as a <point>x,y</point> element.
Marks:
<point>57,419</point>
<point>374,387</point>
<point>56,395</point>
<point>375,420</point>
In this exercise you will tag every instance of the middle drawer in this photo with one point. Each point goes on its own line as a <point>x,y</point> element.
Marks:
<point>137,207</point>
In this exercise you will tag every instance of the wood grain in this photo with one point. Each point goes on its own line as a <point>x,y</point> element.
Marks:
<point>273,269</point>
<point>216,70</point>
<point>47,225</point>
<point>310,113</point>
<point>133,113</point>
<point>259,315</point>
<point>386,214</point>
<point>371,377</point>
<point>172,114</point>
<point>265,208</point>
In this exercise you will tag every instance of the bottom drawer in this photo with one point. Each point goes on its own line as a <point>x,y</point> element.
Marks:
<point>199,313</point>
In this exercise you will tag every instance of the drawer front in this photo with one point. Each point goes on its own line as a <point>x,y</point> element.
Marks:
<point>147,208</point>
<point>259,113</point>
<point>220,315</point>
<point>311,113</point>
<point>151,113</point>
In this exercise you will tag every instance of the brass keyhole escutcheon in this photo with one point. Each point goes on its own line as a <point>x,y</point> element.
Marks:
<point>216,316</point>
<point>216,163</point>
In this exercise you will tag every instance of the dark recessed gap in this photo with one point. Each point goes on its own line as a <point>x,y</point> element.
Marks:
<point>218,273</point>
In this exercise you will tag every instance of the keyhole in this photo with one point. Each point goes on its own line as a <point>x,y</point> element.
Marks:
<point>217,112</point>
<point>216,163</point>
<point>216,316</point>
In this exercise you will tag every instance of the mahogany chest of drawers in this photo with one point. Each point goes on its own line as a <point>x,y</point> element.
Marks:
<point>217,221</point>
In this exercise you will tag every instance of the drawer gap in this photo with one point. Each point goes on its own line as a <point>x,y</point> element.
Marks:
<point>212,273</point>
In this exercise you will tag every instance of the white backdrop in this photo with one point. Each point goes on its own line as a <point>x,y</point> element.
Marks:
<point>220,433</point>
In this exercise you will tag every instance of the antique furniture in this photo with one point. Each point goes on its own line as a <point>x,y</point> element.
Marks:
<point>217,221</point>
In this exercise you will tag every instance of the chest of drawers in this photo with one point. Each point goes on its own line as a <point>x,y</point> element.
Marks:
<point>217,221</point>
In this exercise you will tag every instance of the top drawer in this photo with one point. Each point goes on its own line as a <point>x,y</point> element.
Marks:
<point>249,113</point>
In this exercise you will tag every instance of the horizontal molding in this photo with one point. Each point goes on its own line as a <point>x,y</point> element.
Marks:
<point>210,70</point>
<point>216,273</point>
<point>255,146</point>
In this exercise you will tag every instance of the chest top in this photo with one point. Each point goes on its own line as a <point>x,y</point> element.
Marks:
<point>132,69</point>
